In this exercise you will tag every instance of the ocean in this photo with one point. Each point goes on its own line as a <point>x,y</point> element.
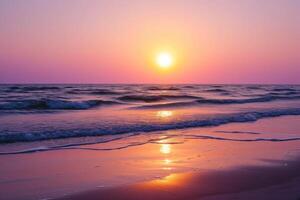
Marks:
<point>48,117</point>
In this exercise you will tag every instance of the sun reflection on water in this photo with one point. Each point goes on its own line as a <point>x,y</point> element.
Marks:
<point>167,161</point>
<point>164,113</point>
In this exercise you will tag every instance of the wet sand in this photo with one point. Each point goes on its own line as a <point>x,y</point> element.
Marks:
<point>280,181</point>
<point>258,160</point>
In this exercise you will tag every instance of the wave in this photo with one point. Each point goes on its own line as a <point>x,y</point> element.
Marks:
<point>240,132</point>
<point>81,145</point>
<point>105,92</point>
<point>48,104</point>
<point>267,98</point>
<point>254,87</point>
<point>154,98</point>
<point>283,90</point>
<point>142,127</point>
<point>145,98</point>
<point>162,88</point>
<point>215,90</point>
<point>167,105</point>
<point>200,101</point>
<point>33,88</point>
<point>68,145</point>
<point>242,140</point>
<point>94,91</point>
<point>190,86</point>
<point>284,93</point>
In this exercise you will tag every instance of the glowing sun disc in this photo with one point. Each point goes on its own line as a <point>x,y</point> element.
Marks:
<point>164,60</point>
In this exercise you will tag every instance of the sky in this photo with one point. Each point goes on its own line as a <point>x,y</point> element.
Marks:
<point>116,41</point>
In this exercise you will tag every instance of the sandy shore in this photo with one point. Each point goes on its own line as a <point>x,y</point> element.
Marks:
<point>258,160</point>
<point>280,181</point>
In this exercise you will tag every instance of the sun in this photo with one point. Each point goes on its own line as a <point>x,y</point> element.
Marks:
<point>164,60</point>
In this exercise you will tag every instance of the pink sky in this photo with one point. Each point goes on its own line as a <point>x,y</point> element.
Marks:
<point>114,41</point>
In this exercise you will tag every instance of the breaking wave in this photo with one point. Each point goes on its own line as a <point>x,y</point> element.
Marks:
<point>266,98</point>
<point>199,101</point>
<point>48,104</point>
<point>142,127</point>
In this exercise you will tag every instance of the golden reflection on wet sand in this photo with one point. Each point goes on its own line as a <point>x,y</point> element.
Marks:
<point>165,148</point>
<point>167,161</point>
<point>167,180</point>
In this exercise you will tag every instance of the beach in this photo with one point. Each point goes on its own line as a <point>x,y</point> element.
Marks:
<point>167,165</point>
<point>149,100</point>
<point>149,142</point>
